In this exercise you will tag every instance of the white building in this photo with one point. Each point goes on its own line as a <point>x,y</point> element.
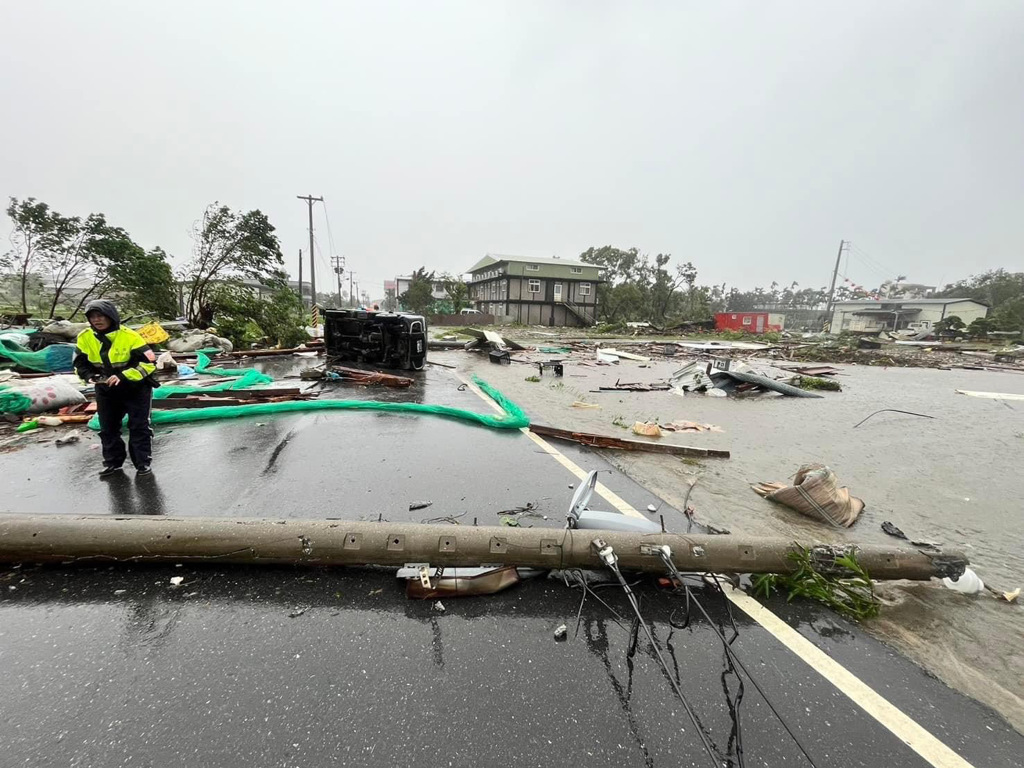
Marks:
<point>436,289</point>
<point>868,316</point>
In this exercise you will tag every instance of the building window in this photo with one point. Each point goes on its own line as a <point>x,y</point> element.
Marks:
<point>533,267</point>
<point>746,321</point>
<point>534,286</point>
<point>576,270</point>
<point>584,289</point>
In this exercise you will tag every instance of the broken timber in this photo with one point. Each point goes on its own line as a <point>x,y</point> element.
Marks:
<point>620,444</point>
<point>359,376</point>
<point>68,538</point>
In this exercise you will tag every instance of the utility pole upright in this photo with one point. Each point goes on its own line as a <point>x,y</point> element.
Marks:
<point>351,287</point>
<point>339,269</point>
<point>312,264</point>
<point>832,288</point>
<point>302,301</point>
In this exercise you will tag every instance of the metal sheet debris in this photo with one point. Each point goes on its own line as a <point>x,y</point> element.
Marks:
<point>990,395</point>
<point>618,443</point>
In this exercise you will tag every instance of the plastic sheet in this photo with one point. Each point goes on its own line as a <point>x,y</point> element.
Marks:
<point>247,380</point>
<point>512,418</point>
<point>56,358</point>
<point>203,366</point>
<point>14,401</point>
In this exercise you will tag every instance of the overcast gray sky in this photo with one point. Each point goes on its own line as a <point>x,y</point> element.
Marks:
<point>746,137</point>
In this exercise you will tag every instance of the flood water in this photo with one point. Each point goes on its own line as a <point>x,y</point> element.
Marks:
<point>954,479</point>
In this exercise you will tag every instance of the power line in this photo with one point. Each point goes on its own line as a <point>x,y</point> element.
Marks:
<point>320,255</point>
<point>876,261</point>
<point>872,263</point>
<point>330,236</point>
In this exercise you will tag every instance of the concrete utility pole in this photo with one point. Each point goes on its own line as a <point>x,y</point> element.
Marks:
<point>351,284</point>
<point>339,270</point>
<point>312,265</point>
<point>832,288</point>
<point>44,538</point>
<point>301,300</point>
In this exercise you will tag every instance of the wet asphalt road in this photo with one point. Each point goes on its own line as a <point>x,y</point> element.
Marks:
<point>110,665</point>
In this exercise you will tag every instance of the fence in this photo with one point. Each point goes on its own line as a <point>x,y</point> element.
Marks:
<point>460,320</point>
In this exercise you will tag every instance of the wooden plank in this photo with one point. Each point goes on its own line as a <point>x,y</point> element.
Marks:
<point>359,376</point>
<point>621,444</point>
<point>272,352</point>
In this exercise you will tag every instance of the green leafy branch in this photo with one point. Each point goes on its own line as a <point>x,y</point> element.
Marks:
<point>852,595</point>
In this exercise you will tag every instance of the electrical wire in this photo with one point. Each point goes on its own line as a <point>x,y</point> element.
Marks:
<point>611,561</point>
<point>877,262</point>
<point>871,263</point>
<point>677,576</point>
<point>330,236</point>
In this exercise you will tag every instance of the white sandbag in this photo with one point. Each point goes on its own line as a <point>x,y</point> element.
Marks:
<point>65,328</point>
<point>50,393</point>
<point>190,342</point>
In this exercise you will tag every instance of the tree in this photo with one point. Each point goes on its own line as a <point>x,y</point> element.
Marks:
<point>664,287</point>
<point>420,295</point>
<point>228,247</point>
<point>282,315</point>
<point>81,259</point>
<point>457,292</point>
<point>953,324</point>
<point>142,281</point>
<point>33,226</point>
<point>979,327</point>
<point>1009,316</point>
<point>688,273</point>
<point>243,315</point>
<point>993,287</point>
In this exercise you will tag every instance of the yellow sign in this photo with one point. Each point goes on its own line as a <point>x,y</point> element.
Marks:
<point>316,316</point>
<point>153,333</point>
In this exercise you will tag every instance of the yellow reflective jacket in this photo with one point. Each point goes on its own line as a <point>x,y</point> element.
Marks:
<point>122,353</point>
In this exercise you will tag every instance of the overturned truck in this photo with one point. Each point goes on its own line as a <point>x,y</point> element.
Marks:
<point>385,339</point>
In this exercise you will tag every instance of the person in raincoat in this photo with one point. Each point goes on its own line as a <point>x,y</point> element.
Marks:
<point>120,363</point>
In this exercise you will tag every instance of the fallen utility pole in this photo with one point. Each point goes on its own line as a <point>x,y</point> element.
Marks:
<point>51,538</point>
<point>621,444</point>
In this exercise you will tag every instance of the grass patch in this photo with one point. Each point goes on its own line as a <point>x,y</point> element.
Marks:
<point>533,379</point>
<point>813,382</point>
<point>852,595</point>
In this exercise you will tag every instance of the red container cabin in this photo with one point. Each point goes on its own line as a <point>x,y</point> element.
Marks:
<point>749,322</point>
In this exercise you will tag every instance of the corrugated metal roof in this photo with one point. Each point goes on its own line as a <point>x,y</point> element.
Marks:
<point>866,302</point>
<point>494,258</point>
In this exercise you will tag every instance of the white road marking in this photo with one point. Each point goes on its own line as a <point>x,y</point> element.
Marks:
<point>860,693</point>
<point>620,504</point>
